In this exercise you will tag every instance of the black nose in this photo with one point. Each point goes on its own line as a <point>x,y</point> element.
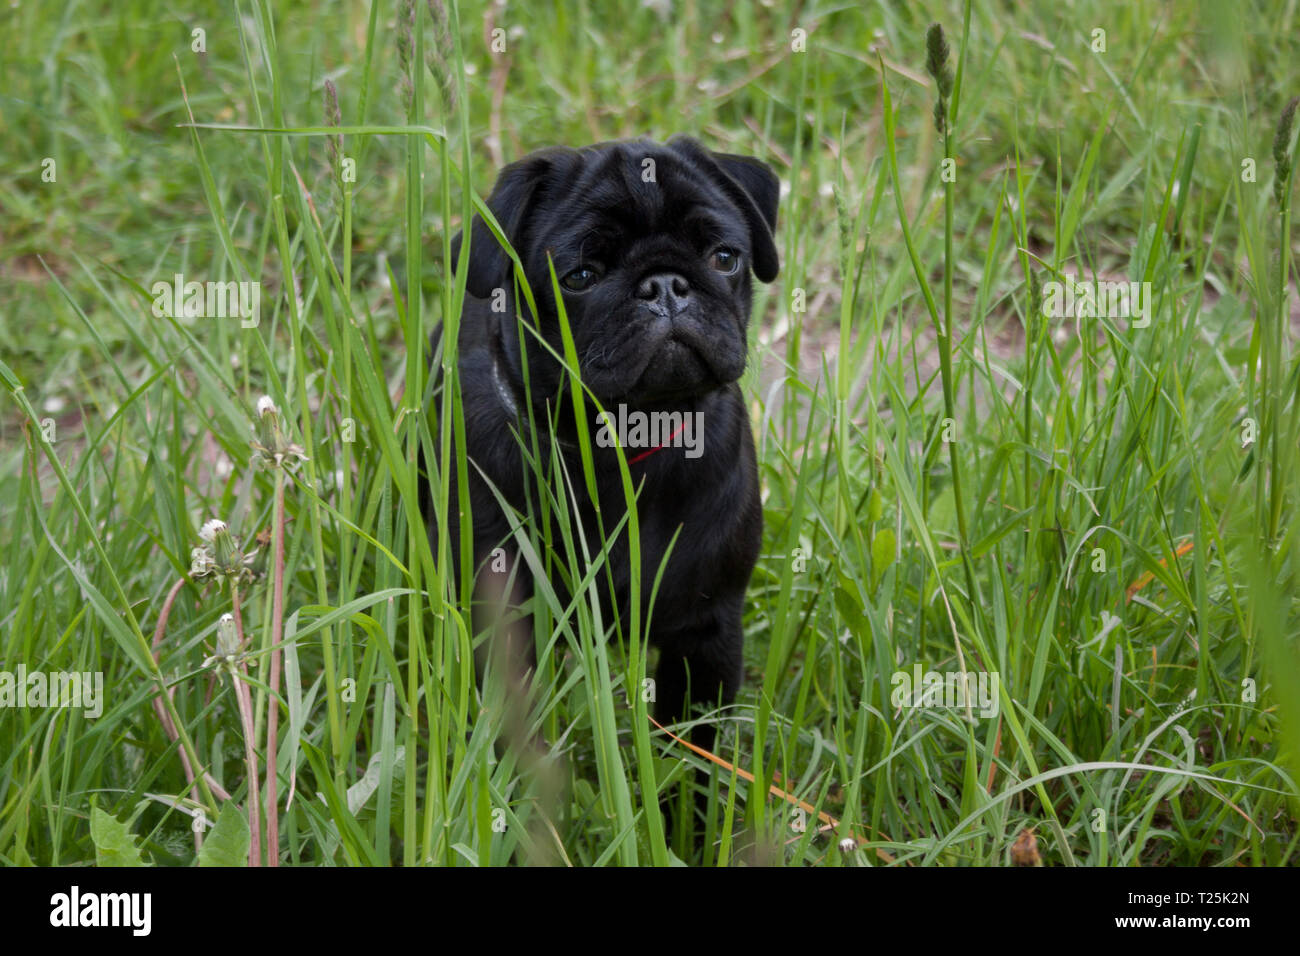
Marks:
<point>667,290</point>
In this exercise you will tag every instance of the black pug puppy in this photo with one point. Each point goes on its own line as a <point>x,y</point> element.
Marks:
<point>654,246</point>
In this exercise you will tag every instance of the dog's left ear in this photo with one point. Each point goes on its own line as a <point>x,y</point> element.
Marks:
<point>516,191</point>
<point>751,185</point>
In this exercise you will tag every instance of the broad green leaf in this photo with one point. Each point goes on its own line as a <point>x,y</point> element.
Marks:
<point>883,548</point>
<point>227,844</point>
<point>114,845</point>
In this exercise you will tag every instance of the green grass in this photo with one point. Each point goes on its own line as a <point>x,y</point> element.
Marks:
<point>950,478</point>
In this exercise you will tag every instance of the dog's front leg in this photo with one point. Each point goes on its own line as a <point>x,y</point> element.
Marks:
<point>701,667</point>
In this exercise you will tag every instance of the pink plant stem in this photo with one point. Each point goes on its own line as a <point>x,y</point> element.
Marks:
<point>273,718</point>
<point>164,718</point>
<point>245,702</point>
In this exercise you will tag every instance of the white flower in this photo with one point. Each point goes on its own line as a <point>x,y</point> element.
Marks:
<point>271,444</point>
<point>227,638</point>
<point>227,651</point>
<point>221,555</point>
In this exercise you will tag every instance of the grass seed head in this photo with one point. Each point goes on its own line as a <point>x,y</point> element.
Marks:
<point>936,64</point>
<point>405,50</point>
<point>1281,152</point>
<point>334,144</point>
<point>441,54</point>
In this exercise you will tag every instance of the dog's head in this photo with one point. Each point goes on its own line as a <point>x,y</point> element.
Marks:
<point>653,245</point>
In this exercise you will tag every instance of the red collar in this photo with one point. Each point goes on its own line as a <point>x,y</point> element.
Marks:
<point>650,451</point>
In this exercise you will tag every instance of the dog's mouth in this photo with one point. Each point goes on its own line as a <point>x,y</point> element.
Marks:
<point>684,363</point>
<point>680,358</point>
<point>663,359</point>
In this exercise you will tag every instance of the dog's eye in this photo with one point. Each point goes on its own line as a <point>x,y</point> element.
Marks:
<point>725,261</point>
<point>580,279</point>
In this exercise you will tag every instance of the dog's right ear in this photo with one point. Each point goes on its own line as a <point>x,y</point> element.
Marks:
<point>516,192</point>
<point>752,186</point>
